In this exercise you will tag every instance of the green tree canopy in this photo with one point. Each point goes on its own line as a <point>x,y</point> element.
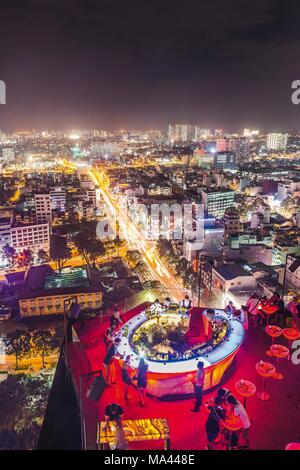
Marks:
<point>59,251</point>
<point>17,343</point>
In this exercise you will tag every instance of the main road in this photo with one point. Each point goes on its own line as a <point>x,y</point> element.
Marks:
<point>136,240</point>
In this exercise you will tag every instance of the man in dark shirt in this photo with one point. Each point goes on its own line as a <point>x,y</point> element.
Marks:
<point>109,357</point>
<point>114,413</point>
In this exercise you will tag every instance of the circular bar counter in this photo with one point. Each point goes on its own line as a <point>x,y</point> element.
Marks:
<point>161,339</point>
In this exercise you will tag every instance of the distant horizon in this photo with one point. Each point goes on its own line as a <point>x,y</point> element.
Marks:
<point>66,130</point>
<point>100,64</point>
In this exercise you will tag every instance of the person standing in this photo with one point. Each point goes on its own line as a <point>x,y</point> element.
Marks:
<point>126,375</point>
<point>111,353</point>
<point>212,425</point>
<point>115,319</point>
<point>239,410</point>
<point>292,307</point>
<point>141,378</point>
<point>109,336</point>
<point>230,308</point>
<point>186,302</point>
<point>113,412</point>
<point>223,394</point>
<point>252,306</point>
<point>244,317</point>
<point>198,386</point>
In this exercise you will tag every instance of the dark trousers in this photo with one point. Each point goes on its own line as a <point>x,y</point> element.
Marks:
<point>198,396</point>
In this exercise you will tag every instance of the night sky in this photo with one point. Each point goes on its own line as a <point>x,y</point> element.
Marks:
<point>144,64</point>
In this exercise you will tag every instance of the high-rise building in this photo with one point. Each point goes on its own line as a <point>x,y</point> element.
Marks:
<point>201,134</point>
<point>35,237</point>
<point>8,154</point>
<point>58,199</point>
<point>188,132</point>
<point>225,161</point>
<point>181,132</point>
<point>216,201</point>
<point>251,133</point>
<point>5,225</point>
<point>277,141</point>
<point>222,145</point>
<point>42,208</point>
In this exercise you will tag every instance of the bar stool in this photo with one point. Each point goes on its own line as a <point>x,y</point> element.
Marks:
<point>290,334</point>
<point>246,389</point>
<point>292,446</point>
<point>274,331</point>
<point>265,370</point>
<point>231,425</point>
<point>269,310</point>
<point>279,351</point>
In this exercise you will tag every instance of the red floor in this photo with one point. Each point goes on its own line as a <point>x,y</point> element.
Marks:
<point>274,423</point>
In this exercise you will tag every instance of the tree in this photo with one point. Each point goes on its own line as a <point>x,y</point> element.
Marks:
<point>9,440</point>
<point>43,256</point>
<point>141,267</point>
<point>23,401</point>
<point>87,243</point>
<point>17,343</point>
<point>59,251</point>
<point>42,341</point>
<point>9,253</point>
<point>118,243</point>
<point>152,285</point>
<point>24,258</point>
<point>133,256</point>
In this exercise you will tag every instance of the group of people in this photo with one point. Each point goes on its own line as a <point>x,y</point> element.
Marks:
<point>256,307</point>
<point>224,405</point>
<point>220,409</point>
<point>130,375</point>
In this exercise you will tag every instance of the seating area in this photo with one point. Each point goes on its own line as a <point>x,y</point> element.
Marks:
<point>273,405</point>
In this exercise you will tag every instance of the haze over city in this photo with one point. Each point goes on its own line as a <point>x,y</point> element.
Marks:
<point>137,65</point>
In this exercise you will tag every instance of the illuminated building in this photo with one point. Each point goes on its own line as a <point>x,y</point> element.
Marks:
<point>232,222</point>
<point>277,141</point>
<point>42,204</point>
<point>231,277</point>
<point>45,291</point>
<point>181,132</point>
<point>8,154</point>
<point>251,132</point>
<point>283,249</point>
<point>58,199</point>
<point>5,237</point>
<point>217,201</point>
<point>224,161</point>
<point>213,238</point>
<point>222,145</point>
<point>29,236</point>
<point>293,271</point>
